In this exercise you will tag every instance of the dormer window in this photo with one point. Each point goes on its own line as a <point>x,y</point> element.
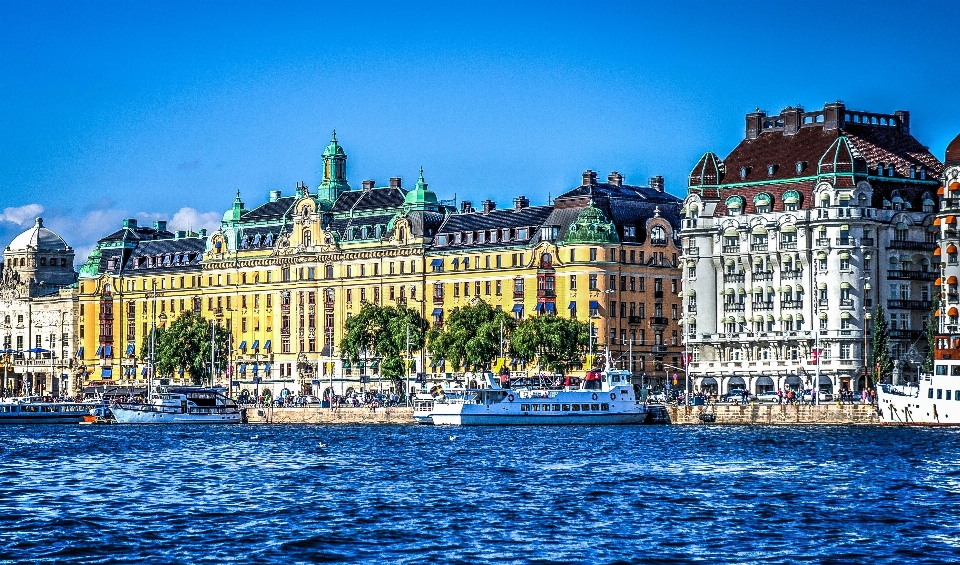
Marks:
<point>493,236</point>
<point>744,171</point>
<point>481,235</point>
<point>772,169</point>
<point>923,173</point>
<point>458,238</point>
<point>801,165</point>
<point>522,233</point>
<point>889,170</point>
<point>505,235</point>
<point>630,232</point>
<point>441,239</point>
<point>469,236</point>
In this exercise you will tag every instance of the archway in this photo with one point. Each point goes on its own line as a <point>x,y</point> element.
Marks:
<point>736,383</point>
<point>764,384</point>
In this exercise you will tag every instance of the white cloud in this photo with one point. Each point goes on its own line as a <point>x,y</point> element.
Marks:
<point>190,219</point>
<point>21,215</point>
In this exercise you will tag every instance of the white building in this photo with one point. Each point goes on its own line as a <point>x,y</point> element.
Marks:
<point>793,241</point>
<point>37,314</point>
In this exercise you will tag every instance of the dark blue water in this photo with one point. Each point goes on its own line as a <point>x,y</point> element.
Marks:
<point>408,494</point>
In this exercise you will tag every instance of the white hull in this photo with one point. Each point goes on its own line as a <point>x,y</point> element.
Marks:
<point>936,402</point>
<point>137,416</point>
<point>529,419</point>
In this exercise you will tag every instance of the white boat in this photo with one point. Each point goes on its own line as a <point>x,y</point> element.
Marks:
<point>181,405</point>
<point>31,410</point>
<point>934,400</point>
<point>602,398</point>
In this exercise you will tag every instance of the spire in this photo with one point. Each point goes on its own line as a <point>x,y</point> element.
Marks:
<point>334,171</point>
<point>420,196</point>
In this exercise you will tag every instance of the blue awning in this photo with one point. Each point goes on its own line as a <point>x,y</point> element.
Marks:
<point>108,351</point>
<point>243,345</point>
<point>143,371</point>
<point>266,369</point>
<point>594,305</point>
<point>256,345</point>
<point>551,307</point>
<point>99,351</point>
<point>180,371</point>
<point>539,307</point>
<point>573,305</point>
<point>436,263</point>
<point>267,344</point>
<point>256,368</point>
<point>517,308</point>
<point>465,261</point>
<point>438,311</point>
<point>80,353</point>
<point>106,372</point>
<point>243,368</point>
<point>130,349</point>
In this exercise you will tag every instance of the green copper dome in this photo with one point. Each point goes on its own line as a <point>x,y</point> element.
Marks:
<point>420,194</point>
<point>592,226</point>
<point>334,147</point>
<point>234,214</point>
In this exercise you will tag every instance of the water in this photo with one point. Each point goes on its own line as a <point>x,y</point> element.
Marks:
<point>408,494</point>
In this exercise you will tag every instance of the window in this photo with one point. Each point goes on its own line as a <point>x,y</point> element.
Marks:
<point>593,253</point>
<point>658,236</point>
<point>593,282</point>
<point>573,282</point>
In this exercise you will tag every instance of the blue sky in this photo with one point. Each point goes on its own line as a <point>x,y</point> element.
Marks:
<point>162,110</point>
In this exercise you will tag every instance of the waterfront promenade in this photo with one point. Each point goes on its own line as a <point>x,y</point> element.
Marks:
<point>759,414</point>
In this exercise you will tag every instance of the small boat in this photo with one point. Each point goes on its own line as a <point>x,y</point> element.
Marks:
<point>604,397</point>
<point>99,415</point>
<point>32,410</point>
<point>180,405</point>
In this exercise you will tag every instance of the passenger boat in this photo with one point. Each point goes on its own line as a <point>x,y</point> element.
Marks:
<point>934,400</point>
<point>31,410</point>
<point>99,415</point>
<point>603,397</point>
<point>180,405</point>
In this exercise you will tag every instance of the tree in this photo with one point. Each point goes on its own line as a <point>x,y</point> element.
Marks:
<point>932,327</point>
<point>471,337</point>
<point>880,351</point>
<point>186,344</point>
<point>555,343</point>
<point>382,331</point>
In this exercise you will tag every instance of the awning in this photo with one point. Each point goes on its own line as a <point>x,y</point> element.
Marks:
<point>821,255</point>
<point>757,318</point>
<point>691,292</point>
<point>729,291</point>
<point>741,290</point>
<point>950,220</point>
<point>952,311</point>
<point>799,317</point>
<point>438,311</point>
<point>844,255</point>
<point>936,252</point>
<point>786,288</point>
<point>770,318</point>
<point>594,305</point>
<point>867,286</point>
<point>256,345</point>
<point>901,225</point>
<point>436,263</point>
<point>517,308</point>
<point>80,353</point>
<point>573,305</point>
<point>243,345</point>
<point>759,231</point>
<point>267,344</point>
<point>346,365</point>
<point>266,369</point>
<point>845,315</point>
<point>938,282</point>
<point>762,198</point>
<point>799,288</point>
<point>108,351</point>
<point>758,260</point>
<point>952,279</point>
<point>823,315</point>
<point>741,319</point>
<point>243,368</point>
<point>821,285</point>
<point>951,248</point>
<point>844,285</point>
<point>107,372</point>
<point>539,307</point>
<point>551,307</point>
<point>786,318</point>
<point>770,290</point>
<point>757,290</point>
<point>130,349</point>
<point>728,262</point>
<point>692,320</point>
<point>940,191</point>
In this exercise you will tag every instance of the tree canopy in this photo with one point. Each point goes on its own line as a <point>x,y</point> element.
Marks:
<point>186,343</point>
<point>471,336</point>
<point>882,368</point>
<point>555,343</point>
<point>381,332</point>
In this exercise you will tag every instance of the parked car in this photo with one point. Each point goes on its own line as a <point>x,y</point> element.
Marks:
<point>657,397</point>
<point>769,396</point>
<point>738,395</point>
<point>822,396</point>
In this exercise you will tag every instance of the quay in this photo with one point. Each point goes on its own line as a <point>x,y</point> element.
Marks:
<point>722,414</point>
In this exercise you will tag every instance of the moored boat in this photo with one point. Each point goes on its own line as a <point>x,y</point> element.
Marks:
<point>934,400</point>
<point>31,410</point>
<point>179,405</point>
<point>603,397</point>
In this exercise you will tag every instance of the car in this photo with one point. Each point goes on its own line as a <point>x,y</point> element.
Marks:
<point>768,396</point>
<point>658,397</point>
<point>309,400</point>
<point>737,395</point>
<point>822,396</point>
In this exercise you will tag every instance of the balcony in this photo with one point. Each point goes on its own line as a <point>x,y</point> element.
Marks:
<point>659,349</point>
<point>762,276</point>
<point>692,252</point>
<point>912,275</point>
<point>759,246</point>
<point>634,320</point>
<point>285,307</point>
<point>791,304</point>
<point>823,302</point>
<point>846,241</point>
<point>328,304</point>
<point>915,245</point>
<point>543,293</point>
<point>659,321</point>
<point>867,242</point>
<point>762,306</point>
<point>734,277</point>
<point>909,304</point>
<point>733,307</point>
<point>790,275</point>
<point>731,249</point>
<point>518,295</point>
<point>823,242</point>
<point>846,304</point>
<point>905,334</point>
<point>438,299</point>
<point>788,244</point>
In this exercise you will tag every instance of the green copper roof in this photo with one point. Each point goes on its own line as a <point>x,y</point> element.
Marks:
<point>234,214</point>
<point>592,226</point>
<point>334,147</point>
<point>91,268</point>
<point>420,194</point>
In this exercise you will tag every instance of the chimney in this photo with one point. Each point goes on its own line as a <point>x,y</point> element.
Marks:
<point>160,225</point>
<point>903,121</point>
<point>792,117</point>
<point>833,115</point>
<point>274,195</point>
<point>369,184</point>
<point>615,178</point>
<point>521,202</point>
<point>180,234</point>
<point>589,177</point>
<point>488,206</point>
<point>755,123</point>
<point>656,183</point>
<point>395,182</point>
<point>130,223</point>
<point>203,232</point>
<point>466,206</point>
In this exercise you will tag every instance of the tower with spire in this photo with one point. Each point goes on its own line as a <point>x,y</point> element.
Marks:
<point>334,172</point>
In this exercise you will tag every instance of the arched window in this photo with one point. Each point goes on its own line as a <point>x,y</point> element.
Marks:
<point>658,236</point>
<point>307,238</point>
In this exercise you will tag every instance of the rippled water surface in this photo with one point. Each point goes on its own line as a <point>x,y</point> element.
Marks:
<point>408,494</point>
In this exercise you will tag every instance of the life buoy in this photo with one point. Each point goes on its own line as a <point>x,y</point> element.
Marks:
<point>510,397</point>
<point>613,396</point>
<point>594,396</point>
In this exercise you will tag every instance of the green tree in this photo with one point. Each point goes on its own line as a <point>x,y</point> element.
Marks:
<point>381,331</point>
<point>882,368</point>
<point>932,327</point>
<point>471,336</point>
<point>555,343</point>
<point>186,344</point>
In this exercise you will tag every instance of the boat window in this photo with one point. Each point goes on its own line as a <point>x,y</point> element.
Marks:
<point>604,406</point>
<point>576,407</point>
<point>956,395</point>
<point>930,393</point>
<point>556,407</point>
<point>524,407</point>
<point>955,370</point>
<point>939,394</point>
<point>584,407</point>
<point>566,407</point>
<point>536,407</point>
<point>941,369</point>
<point>594,406</point>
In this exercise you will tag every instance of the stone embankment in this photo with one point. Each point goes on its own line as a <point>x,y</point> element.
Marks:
<point>763,414</point>
<point>316,415</point>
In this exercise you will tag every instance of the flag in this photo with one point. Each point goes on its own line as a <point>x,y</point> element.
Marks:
<point>685,357</point>
<point>815,356</point>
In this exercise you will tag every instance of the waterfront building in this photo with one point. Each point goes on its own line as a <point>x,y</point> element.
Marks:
<point>794,239</point>
<point>284,276</point>
<point>37,313</point>
<point>948,283</point>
